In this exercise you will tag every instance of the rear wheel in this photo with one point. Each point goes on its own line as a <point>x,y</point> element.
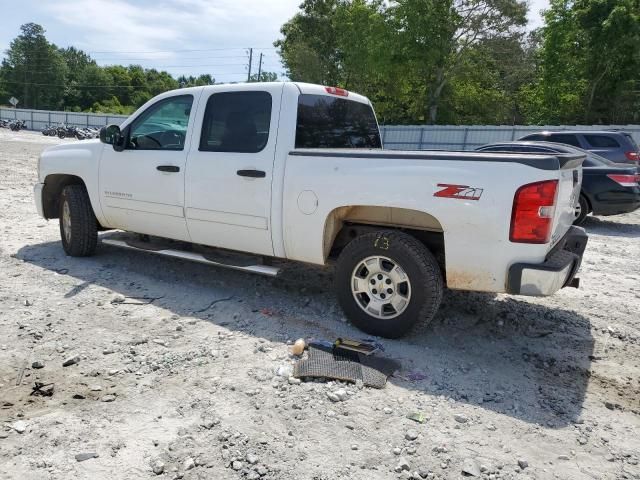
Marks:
<point>387,282</point>
<point>78,224</point>
<point>582,210</point>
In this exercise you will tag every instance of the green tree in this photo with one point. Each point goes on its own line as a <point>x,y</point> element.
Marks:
<point>309,47</point>
<point>588,63</point>
<point>264,77</point>
<point>33,70</point>
<point>402,54</point>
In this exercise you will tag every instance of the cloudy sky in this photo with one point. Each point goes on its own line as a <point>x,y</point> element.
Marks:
<point>180,36</point>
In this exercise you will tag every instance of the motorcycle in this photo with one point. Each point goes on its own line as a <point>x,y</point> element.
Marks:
<point>17,125</point>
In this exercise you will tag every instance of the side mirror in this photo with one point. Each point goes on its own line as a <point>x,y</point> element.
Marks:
<point>112,135</point>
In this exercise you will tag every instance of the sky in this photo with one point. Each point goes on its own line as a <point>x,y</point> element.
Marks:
<point>179,36</point>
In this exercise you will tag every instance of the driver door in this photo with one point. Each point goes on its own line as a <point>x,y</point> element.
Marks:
<point>142,187</point>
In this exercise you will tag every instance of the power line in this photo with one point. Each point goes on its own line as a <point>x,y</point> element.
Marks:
<point>90,86</point>
<point>188,50</point>
<point>218,65</point>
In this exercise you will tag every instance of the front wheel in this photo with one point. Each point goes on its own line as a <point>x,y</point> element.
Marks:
<point>78,224</point>
<point>387,282</point>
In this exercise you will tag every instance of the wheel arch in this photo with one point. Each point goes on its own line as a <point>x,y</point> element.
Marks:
<point>345,223</point>
<point>53,186</point>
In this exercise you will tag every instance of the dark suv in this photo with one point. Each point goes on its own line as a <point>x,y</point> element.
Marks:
<point>615,145</point>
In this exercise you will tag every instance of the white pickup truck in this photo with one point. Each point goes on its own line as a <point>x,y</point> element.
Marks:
<point>297,171</point>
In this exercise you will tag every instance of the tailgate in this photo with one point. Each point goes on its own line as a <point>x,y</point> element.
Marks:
<point>569,185</point>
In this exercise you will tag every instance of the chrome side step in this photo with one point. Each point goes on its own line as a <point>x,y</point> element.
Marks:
<point>196,257</point>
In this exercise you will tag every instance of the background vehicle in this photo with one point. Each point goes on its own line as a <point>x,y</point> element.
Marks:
<point>615,145</point>
<point>608,188</point>
<point>297,171</point>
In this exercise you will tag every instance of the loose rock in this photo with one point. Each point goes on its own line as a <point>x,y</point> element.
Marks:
<point>81,457</point>
<point>411,435</point>
<point>71,361</point>
<point>157,467</point>
<point>20,426</point>
<point>460,418</point>
<point>470,468</point>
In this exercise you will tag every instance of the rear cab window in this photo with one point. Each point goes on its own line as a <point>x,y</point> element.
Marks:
<point>328,122</point>
<point>601,141</point>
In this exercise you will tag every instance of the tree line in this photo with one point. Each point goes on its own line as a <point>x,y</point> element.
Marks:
<point>44,76</point>
<point>419,61</point>
<point>473,61</point>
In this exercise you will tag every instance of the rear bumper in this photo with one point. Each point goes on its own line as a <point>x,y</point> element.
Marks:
<point>556,272</point>
<point>622,200</point>
<point>37,195</point>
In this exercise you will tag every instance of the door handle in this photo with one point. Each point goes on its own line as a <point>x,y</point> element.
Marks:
<point>168,168</point>
<point>252,173</point>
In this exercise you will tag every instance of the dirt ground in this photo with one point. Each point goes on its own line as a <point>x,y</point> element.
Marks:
<point>164,380</point>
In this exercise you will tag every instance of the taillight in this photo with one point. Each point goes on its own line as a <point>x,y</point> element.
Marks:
<point>533,210</point>
<point>337,91</point>
<point>624,180</point>
<point>632,156</point>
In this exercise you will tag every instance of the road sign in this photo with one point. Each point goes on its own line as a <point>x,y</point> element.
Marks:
<point>13,101</point>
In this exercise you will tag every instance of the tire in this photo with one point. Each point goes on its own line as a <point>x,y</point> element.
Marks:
<point>419,295</point>
<point>61,134</point>
<point>82,238</point>
<point>583,212</point>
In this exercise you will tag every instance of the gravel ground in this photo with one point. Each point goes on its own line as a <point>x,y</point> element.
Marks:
<point>164,383</point>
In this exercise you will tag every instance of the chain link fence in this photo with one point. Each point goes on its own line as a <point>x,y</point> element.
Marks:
<point>395,137</point>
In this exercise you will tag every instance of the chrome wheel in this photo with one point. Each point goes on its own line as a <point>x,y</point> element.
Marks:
<point>381,287</point>
<point>66,221</point>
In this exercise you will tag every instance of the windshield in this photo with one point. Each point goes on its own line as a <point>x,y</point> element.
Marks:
<point>329,122</point>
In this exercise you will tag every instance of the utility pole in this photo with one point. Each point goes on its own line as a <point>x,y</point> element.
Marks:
<point>260,68</point>
<point>250,61</point>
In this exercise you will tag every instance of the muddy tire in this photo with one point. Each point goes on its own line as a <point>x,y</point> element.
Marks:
<point>387,282</point>
<point>78,224</point>
<point>582,211</point>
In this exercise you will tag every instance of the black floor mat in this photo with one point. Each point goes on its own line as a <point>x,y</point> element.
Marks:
<point>326,362</point>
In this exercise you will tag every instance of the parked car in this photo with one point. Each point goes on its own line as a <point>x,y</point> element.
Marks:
<point>608,188</point>
<point>615,145</point>
<point>297,172</point>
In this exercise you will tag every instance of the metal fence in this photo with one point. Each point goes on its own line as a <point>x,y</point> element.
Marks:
<point>454,137</point>
<point>38,119</point>
<point>397,137</point>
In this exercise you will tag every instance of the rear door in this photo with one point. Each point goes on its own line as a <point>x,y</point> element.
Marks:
<point>230,168</point>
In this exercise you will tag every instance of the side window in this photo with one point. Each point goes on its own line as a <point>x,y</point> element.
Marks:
<point>564,138</point>
<point>601,141</point>
<point>236,122</point>
<point>163,126</point>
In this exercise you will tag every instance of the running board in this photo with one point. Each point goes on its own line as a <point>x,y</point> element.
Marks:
<point>196,257</point>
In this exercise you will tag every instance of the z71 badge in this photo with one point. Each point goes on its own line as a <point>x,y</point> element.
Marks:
<point>463,192</point>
